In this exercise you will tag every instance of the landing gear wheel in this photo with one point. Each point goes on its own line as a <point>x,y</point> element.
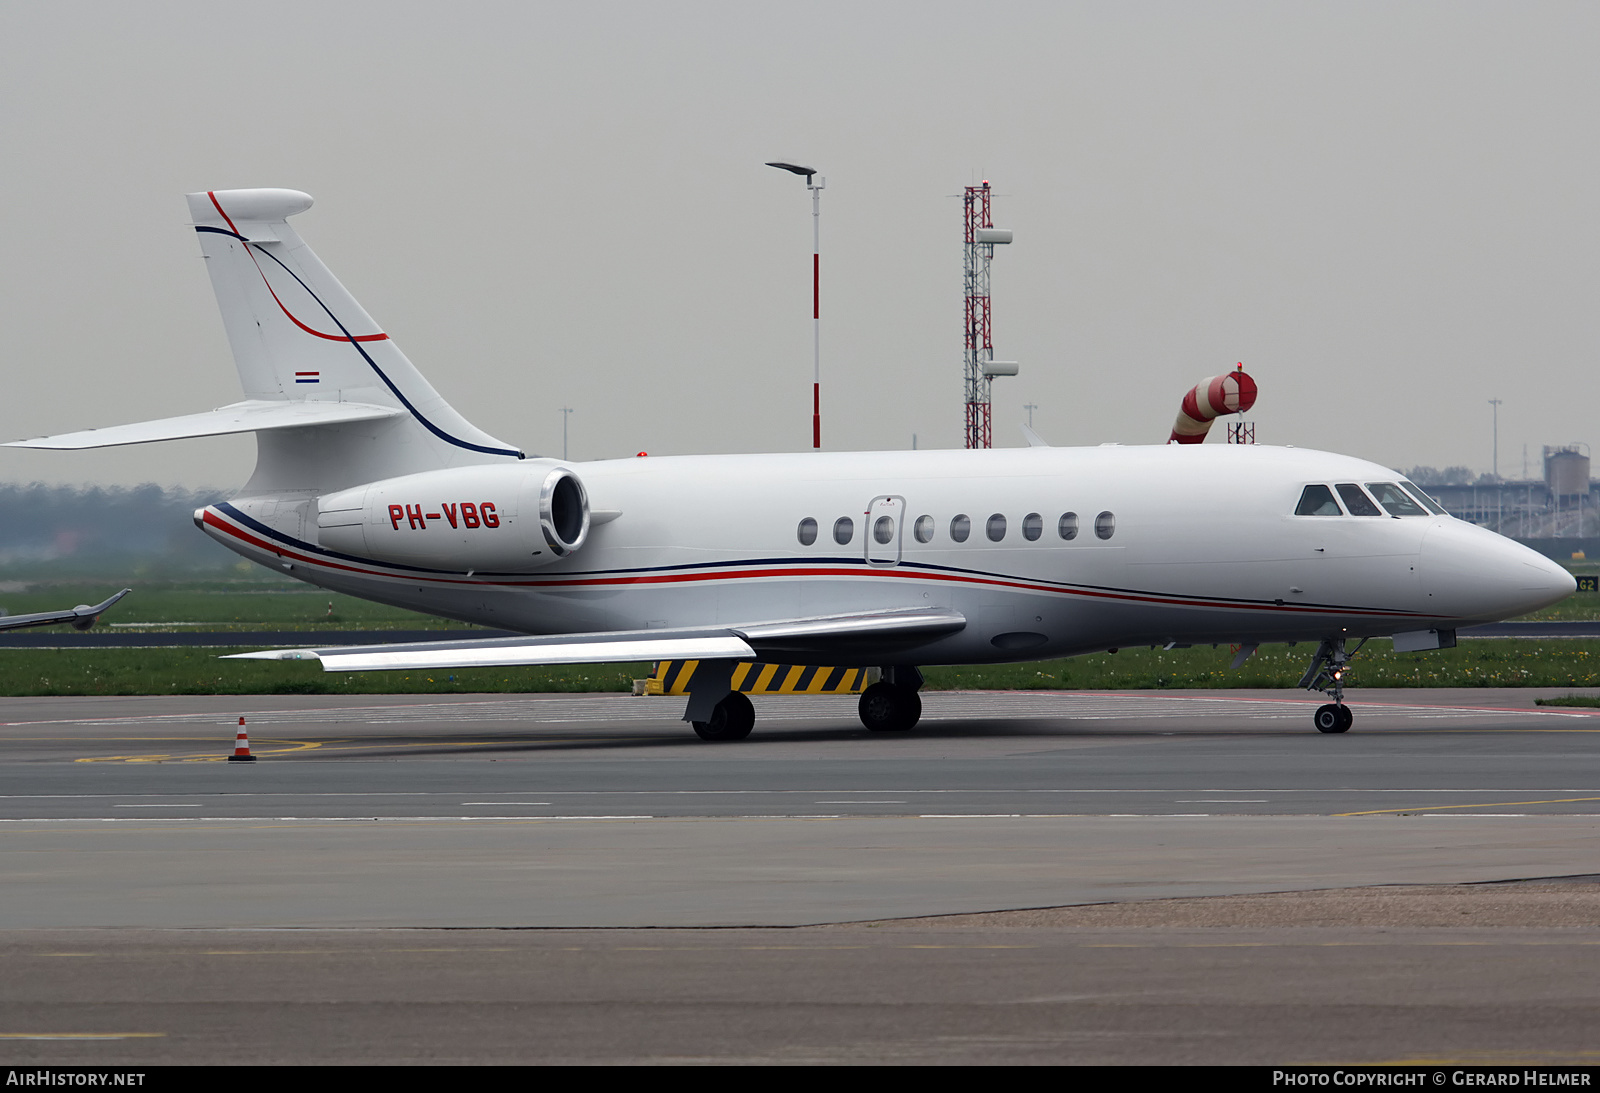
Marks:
<point>1333,717</point>
<point>731,719</point>
<point>887,707</point>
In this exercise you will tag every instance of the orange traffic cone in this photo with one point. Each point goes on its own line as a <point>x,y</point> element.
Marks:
<point>241,747</point>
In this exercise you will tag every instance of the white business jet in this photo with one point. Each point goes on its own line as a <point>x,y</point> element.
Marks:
<point>368,482</point>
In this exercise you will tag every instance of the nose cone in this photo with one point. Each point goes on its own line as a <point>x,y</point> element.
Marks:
<point>1471,573</point>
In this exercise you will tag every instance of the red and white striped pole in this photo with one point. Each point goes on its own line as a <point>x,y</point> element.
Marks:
<point>816,310</point>
<point>815,185</point>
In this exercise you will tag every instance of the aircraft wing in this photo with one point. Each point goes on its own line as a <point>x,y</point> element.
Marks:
<point>81,617</point>
<point>252,415</point>
<point>820,639</point>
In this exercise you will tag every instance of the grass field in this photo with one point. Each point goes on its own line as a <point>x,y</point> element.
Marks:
<point>245,604</point>
<point>267,603</point>
<point>1487,663</point>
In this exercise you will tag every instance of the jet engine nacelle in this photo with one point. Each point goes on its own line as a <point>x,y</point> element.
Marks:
<point>504,519</point>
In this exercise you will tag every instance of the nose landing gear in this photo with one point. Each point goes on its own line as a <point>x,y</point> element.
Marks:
<point>1326,674</point>
<point>1333,717</point>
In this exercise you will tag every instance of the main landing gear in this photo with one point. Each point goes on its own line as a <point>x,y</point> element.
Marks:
<point>719,713</point>
<point>716,710</point>
<point>892,704</point>
<point>1326,674</point>
<point>731,719</point>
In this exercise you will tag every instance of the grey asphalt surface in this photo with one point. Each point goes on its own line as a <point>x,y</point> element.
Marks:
<point>346,897</point>
<point>895,994</point>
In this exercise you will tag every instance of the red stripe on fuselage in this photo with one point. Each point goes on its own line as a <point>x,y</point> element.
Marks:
<point>793,571</point>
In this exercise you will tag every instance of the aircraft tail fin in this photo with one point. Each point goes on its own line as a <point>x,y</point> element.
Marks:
<point>332,400</point>
<point>298,336</point>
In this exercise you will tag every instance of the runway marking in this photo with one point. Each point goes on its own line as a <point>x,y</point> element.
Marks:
<point>798,792</point>
<point>1485,1058</point>
<point>271,821</point>
<point>1486,804</point>
<point>940,706</point>
<point>80,1035</point>
<point>264,748</point>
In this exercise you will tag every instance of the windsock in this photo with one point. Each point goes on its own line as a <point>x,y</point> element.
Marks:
<point>1233,393</point>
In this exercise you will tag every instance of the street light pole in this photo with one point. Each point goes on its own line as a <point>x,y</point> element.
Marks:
<point>1496,404</point>
<point>816,292</point>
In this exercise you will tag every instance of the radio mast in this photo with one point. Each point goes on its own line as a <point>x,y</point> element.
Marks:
<point>981,367</point>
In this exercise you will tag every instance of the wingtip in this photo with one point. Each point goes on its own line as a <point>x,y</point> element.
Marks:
<point>275,654</point>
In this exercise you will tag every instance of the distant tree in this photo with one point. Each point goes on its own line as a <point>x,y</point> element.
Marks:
<point>1425,476</point>
<point>63,529</point>
<point>1457,476</point>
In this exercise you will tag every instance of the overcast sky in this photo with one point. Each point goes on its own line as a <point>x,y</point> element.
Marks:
<point>1387,211</point>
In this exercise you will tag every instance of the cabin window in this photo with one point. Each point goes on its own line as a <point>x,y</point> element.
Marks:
<point>1067,526</point>
<point>1423,499</point>
<point>1032,527</point>
<point>807,532</point>
<point>960,528</point>
<point>923,529</point>
<point>883,530</point>
<point>844,530</point>
<point>1318,501</point>
<point>995,529</point>
<point>1357,502</point>
<point>1395,500</point>
<point>1105,525</point>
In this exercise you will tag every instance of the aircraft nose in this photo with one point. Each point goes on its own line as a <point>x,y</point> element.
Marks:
<point>1473,573</point>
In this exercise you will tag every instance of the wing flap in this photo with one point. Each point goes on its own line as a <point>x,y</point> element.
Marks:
<point>250,416</point>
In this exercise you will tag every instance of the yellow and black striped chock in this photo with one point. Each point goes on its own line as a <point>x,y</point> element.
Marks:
<point>674,677</point>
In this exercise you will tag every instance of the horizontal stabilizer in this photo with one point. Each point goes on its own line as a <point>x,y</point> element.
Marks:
<point>826,638</point>
<point>255,415</point>
<point>81,617</point>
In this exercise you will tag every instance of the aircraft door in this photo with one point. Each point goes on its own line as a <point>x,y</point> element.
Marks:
<point>885,524</point>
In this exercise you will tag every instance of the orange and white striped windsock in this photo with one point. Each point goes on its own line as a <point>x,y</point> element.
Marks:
<point>1233,393</point>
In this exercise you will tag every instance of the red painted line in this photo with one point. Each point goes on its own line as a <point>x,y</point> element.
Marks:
<point>309,330</point>
<point>330,337</point>
<point>788,571</point>
<point>221,212</point>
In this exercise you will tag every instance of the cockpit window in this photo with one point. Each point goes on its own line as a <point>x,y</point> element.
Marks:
<point>1357,502</point>
<point>1423,499</point>
<point>1318,501</point>
<point>1395,499</point>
